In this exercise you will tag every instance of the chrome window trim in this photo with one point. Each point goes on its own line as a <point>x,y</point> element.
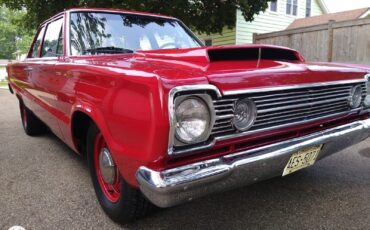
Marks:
<point>67,34</point>
<point>119,11</point>
<point>301,86</point>
<point>68,23</point>
<point>213,88</point>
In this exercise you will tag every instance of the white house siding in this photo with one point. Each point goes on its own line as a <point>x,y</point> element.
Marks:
<point>271,21</point>
<point>3,73</point>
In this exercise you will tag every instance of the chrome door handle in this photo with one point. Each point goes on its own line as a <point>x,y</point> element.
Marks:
<point>28,69</point>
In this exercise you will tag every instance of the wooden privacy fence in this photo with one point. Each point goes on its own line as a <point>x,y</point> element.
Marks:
<point>347,41</point>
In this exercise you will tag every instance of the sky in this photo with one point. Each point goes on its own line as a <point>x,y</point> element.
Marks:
<point>342,5</point>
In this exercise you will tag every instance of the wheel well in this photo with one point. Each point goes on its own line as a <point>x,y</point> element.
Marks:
<point>10,89</point>
<point>80,125</point>
<point>19,98</point>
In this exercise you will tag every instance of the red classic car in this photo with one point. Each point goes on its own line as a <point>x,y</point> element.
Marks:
<point>163,120</point>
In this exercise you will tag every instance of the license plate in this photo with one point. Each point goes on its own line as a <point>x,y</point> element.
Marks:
<point>302,159</point>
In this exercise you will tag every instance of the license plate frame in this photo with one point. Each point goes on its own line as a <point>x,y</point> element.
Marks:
<point>302,159</point>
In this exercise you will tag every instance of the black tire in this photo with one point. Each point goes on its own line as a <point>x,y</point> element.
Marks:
<point>131,204</point>
<point>31,124</point>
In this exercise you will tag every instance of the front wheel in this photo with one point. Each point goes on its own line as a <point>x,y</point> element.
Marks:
<point>31,124</point>
<point>119,200</point>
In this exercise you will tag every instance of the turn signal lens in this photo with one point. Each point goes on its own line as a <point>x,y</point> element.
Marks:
<point>244,114</point>
<point>355,97</point>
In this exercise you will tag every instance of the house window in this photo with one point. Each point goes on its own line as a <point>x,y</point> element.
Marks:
<point>292,7</point>
<point>273,5</point>
<point>308,8</point>
<point>208,42</point>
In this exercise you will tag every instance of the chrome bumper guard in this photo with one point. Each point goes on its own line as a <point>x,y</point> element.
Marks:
<point>178,185</point>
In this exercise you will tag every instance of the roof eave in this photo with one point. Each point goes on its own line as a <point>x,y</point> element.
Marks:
<point>366,14</point>
<point>323,6</point>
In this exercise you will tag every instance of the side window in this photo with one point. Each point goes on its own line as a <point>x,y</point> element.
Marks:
<point>53,41</point>
<point>37,45</point>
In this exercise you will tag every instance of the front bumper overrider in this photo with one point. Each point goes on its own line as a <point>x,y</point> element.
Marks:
<point>178,185</point>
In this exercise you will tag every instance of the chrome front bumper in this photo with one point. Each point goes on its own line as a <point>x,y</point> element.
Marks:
<point>178,185</point>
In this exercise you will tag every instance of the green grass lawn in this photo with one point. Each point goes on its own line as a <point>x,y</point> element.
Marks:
<point>3,84</point>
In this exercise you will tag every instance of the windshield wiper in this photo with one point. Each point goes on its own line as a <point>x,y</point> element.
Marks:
<point>109,50</point>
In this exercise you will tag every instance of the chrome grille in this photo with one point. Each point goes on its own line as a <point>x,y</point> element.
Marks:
<point>283,107</point>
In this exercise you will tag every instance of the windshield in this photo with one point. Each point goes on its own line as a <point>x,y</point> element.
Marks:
<point>97,33</point>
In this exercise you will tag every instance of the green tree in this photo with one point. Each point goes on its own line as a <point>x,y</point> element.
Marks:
<point>13,36</point>
<point>203,16</point>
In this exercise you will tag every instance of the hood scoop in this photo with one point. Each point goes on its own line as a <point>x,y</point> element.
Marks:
<point>207,55</point>
<point>253,53</point>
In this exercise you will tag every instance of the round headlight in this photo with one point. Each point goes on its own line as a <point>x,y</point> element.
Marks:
<point>355,97</point>
<point>367,101</point>
<point>193,120</point>
<point>244,114</point>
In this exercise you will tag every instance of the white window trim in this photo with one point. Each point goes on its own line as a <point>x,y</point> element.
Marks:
<point>292,15</point>
<point>277,7</point>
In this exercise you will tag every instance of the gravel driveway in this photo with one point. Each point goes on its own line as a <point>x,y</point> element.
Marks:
<point>44,185</point>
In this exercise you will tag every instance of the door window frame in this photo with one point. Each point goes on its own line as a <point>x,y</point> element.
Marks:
<point>45,26</point>
<point>41,29</point>
<point>43,40</point>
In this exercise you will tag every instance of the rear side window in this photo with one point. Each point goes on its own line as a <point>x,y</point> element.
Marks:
<point>53,41</point>
<point>37,45</point>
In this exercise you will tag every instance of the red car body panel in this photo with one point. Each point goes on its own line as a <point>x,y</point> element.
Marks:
<point>126,95</point>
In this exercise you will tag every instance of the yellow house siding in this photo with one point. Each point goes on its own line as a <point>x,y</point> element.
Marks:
<point>269,21</point>
<point>316,9</point>
<point>265,22</point>
<point>226,38</point>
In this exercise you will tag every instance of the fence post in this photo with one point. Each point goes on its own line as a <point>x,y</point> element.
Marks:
<point>254,38</point>
<point>330,40</point>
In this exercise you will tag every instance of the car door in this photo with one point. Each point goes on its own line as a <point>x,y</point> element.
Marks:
<point>45,79</point>
<point>21,73</point>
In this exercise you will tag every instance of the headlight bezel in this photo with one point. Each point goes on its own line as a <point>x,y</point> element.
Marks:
<point>174,147</point>
<point>207,101</point>
<point>366,100</point>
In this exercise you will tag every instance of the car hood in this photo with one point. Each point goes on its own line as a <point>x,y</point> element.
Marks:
<point>227,67</point>
<point>251,66</point>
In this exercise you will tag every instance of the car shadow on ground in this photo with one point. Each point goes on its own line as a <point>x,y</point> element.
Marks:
<point>365,152</point>
<point>304,198</point>
<point>251,206</point>
<point>65,148</point>
<point>295,200</point>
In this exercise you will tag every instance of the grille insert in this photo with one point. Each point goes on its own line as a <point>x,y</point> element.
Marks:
<point>284,107</point>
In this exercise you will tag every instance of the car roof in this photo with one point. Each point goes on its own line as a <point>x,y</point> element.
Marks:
<point>107,10</point>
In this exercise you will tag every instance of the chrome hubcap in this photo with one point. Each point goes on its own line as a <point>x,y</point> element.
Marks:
<point>107,166</point>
